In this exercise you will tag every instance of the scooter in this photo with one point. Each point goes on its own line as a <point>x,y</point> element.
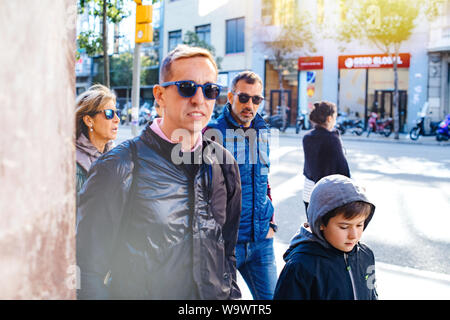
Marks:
<point>379,126</point>
<point>343,124</point>
<point>443,132</point>
<point>275,121</point>
<point>144,116</point>
<point>300,123</point>
<point>419,128</point>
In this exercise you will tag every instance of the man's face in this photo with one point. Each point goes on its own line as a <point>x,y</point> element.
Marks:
<point>191,114</point>
<point>342,233</point>
<point>244,113</point>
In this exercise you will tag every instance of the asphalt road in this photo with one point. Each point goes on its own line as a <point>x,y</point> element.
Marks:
<point>409,184</point>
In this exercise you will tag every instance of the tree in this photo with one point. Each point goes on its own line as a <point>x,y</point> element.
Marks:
<point>293,35</point>
<point>110,11</point>
<point>122,70</point>
<point>385,24</point>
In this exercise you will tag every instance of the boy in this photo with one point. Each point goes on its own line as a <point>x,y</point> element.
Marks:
<point>327,261</point>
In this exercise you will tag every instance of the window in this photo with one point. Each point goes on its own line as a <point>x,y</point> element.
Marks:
<point>235,37</point>
<point>174,39</point>
<point>204,33</point>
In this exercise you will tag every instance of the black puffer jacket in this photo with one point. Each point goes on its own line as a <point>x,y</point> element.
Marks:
<point>181,223</point>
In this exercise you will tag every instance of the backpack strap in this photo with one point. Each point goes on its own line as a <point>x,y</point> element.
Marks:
<point>124,219</point>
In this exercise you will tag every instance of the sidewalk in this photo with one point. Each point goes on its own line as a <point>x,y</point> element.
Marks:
<point>403,138</point>
<point>393,282</point>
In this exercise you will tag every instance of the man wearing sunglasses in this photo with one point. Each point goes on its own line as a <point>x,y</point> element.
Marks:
<point>244,133</point>
<point>150,227</point>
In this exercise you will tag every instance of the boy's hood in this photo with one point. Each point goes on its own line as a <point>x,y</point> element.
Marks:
<point>328,193</point>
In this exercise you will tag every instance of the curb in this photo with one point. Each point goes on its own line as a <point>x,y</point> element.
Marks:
<point>403,138</point>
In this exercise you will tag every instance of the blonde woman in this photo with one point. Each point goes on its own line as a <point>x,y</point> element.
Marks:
<point>96,128</point>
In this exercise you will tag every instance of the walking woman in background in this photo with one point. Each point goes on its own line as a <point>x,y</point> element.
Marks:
<point>322,148</point>
<point>96,128</point>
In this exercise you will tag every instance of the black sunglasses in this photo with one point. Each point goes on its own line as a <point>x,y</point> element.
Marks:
<point>109,113</point>
<point>188,89</point>
<point>244,98</point>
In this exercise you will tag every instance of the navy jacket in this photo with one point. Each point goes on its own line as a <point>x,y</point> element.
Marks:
<point>250,148</point>
<point>313,272</point>
<point>323,154</point>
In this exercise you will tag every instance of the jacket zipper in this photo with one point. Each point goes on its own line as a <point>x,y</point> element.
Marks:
<point>349,269</point>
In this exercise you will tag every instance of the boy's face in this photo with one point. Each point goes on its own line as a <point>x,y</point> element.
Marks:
<point>342,233</point>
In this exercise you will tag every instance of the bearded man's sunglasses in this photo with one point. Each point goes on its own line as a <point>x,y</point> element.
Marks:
<point>188,89</point>
<point>244,98</point>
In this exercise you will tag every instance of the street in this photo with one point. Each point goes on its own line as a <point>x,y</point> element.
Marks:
<point>410,186</point>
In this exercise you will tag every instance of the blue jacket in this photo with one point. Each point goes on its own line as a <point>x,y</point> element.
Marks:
<point>251,150</point>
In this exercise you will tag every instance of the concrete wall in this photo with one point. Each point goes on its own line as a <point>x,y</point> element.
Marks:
<point>37,158</point>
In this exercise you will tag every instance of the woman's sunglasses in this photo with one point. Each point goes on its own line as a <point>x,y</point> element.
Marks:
<point>244,98</point>
<point>188,89</point>
<point>109,113</point>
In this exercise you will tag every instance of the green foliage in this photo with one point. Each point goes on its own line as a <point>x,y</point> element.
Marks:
<point>192,39</point>
<point>92,41</point>
<point>290,39</point>
<point>121,70</point>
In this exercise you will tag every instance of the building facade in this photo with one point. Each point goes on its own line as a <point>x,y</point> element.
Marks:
<point>357,76</point>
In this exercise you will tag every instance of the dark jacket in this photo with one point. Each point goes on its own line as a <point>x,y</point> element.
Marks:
<point>179,223</point>
<point>86,154</point>
<point>316,270</point>
<point>251,149</point>
<point>323,154</point>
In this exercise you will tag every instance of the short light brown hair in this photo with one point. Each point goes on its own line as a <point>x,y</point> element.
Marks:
<point>183,51</point>
<point>248,76</point>
<point>90,103</point>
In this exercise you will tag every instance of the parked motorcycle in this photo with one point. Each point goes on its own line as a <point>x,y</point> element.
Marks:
<point>383,127</point>
<point>419,128</point>
<point>300,123</point>
<point>123,115</point>
<point>343,124</point>
<point>443,132</point>
<point>144,116</point>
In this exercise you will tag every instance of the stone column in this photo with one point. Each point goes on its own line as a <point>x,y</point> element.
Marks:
<point>37,154</point>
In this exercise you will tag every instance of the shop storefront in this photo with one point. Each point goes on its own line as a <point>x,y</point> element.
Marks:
<point>366,84</point>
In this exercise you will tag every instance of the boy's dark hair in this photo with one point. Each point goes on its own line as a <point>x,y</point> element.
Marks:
<point>349,210</point>
<point>321,111</point>
<point>248,76</point>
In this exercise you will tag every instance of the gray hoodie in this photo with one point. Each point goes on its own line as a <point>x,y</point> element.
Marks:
<point>329,193</point>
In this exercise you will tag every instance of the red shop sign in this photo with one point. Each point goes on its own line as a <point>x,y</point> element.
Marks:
<point>365,61</point>
<point>310,63</point>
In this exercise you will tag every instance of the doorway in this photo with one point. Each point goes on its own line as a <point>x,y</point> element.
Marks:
<point>275,101</point>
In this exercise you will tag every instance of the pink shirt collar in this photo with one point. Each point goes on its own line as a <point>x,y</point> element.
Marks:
<point>155,126</point>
